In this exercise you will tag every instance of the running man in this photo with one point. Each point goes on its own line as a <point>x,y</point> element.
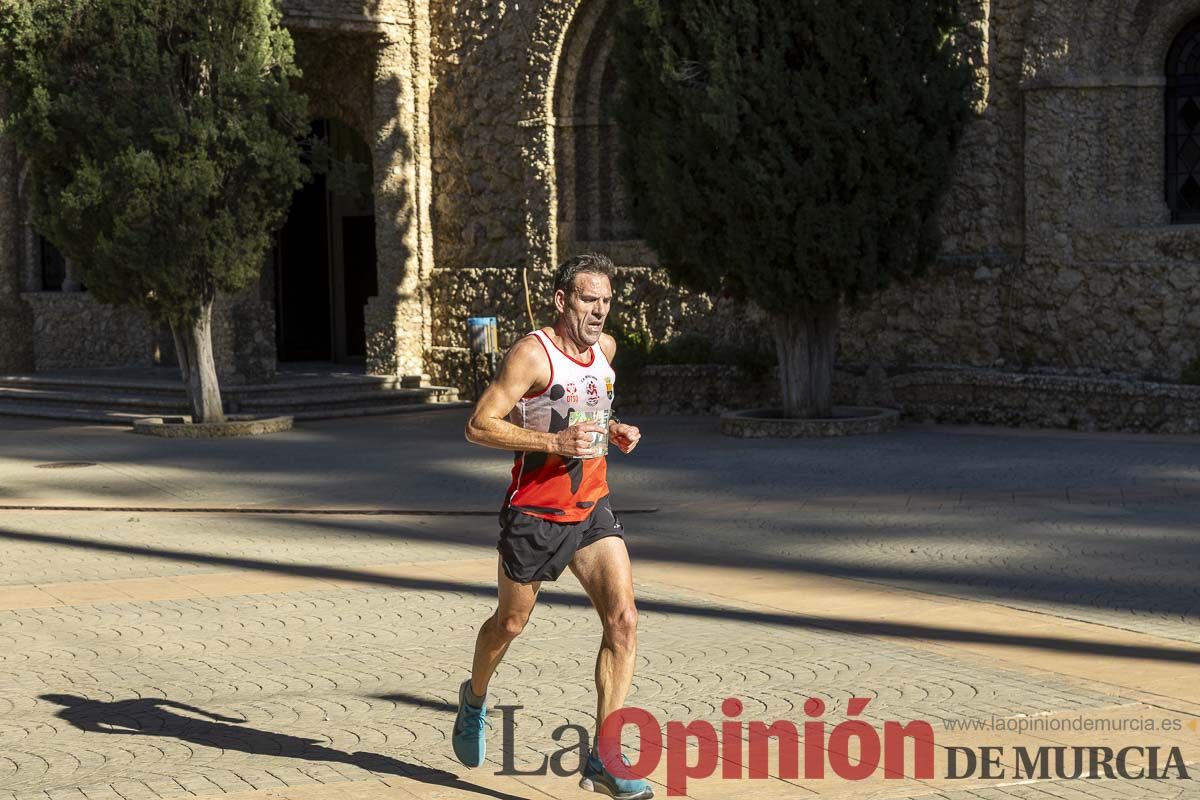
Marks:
<point>551,402</point>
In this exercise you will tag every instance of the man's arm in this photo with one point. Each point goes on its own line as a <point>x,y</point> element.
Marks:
<point>525,369</point>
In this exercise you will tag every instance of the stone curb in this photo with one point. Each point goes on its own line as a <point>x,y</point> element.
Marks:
<point>759,423</point>
<point>184,428</point>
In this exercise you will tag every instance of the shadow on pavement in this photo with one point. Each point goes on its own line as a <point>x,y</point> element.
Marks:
<point>418,701</point>
<point>900,630</point>
<point>154,717</point>
<point>1162,585</point>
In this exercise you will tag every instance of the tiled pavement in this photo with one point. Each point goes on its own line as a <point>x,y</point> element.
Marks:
<point>944,574</point>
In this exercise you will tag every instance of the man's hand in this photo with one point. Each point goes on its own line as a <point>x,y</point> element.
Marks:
<point>577,441</point>
<point>625,437</point>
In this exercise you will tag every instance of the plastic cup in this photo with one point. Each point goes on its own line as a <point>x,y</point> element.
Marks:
<point>599,438</point>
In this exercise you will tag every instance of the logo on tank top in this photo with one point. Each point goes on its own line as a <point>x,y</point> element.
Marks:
<point>608,387</point>
<point>591,390</point>
<point>572,395</point>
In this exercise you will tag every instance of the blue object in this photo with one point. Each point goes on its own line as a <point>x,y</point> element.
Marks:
<point>597,778</point>
<point>481,334</point>
<point>469,745</point>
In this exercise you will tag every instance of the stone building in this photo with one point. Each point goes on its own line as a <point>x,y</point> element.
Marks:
<point>1071,235</point>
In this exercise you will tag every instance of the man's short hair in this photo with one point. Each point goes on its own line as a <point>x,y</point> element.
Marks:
<point>594,263</point>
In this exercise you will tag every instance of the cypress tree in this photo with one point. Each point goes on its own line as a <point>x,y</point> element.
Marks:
<point>162,141</point>
<point>791,152</point>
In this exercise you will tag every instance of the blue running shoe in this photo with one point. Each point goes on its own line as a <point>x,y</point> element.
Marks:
<point>468,741</point>
<point>597,778</point>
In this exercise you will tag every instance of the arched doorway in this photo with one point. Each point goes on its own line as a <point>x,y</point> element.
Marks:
<point>593,209</point>
<point>324,265</point>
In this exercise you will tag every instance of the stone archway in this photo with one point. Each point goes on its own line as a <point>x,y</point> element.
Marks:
<point>590,196</point>
<point>575,195</point>
<point>370,67</point>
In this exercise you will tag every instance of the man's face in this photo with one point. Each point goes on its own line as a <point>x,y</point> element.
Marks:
<point>585,307</point>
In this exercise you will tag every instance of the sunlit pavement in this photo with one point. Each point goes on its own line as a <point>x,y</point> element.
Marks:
<point>290,616</point>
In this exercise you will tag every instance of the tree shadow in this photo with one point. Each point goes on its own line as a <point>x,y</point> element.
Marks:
<point>151,716</point>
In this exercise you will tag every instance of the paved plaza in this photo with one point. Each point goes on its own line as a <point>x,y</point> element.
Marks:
<point>290,616</point>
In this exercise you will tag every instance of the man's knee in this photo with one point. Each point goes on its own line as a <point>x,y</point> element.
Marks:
<point>620,625</point>
<point>509,626</point>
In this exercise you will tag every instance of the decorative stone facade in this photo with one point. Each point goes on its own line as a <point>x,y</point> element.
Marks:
<point>493,152</point>
<point>1077,264</point>
<point>1058,247</point>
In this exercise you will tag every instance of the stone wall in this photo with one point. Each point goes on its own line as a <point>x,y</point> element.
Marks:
<point>1053,401</point>
<point>244,338</point>
<point>959,396</point>
<point>1124,315</point>
<point>72,330</point>
<point>1057,252</point>
<point>480,69</point>
<point>338,72</point>
<point>643,300</point>
<point>983,216</point>
<point>1094,277</point>
<point>704,389</point>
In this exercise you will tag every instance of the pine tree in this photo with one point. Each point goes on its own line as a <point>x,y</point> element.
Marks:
<point>162,137</point>
<point>792,152</point>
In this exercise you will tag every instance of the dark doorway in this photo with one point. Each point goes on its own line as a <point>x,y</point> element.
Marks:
<point>325,254</point>
<point>358,250</point>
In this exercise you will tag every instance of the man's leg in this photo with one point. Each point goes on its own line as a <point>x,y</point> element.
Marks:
<point>515,606</point>
<point>516,601</point>
<point>604,570</point>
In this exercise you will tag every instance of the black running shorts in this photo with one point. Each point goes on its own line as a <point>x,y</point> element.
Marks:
<point>536,549</point>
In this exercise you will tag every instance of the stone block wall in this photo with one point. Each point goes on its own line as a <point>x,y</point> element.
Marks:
<point>1041,400</point>
<point>701,389</point>
<point>244,338</point>
<point>958,396</point>
<point>71,330</point>
<point>1114,315</point>
<point>643,300</point>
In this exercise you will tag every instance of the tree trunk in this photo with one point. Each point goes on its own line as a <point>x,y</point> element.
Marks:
<point>805,343</point>
<point>193,348</point>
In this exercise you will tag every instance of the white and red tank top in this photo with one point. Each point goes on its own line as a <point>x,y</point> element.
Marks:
<point>547,485</point>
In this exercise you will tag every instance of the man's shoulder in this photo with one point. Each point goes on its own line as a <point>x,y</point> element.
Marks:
<point>528,355</point>
<point>608,345</point>
<point>528,348</point>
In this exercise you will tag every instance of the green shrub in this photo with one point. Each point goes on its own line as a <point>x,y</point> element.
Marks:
<point>1190,374</point>
<point>634,352</point>
<point>633,349</point>
<point>686,348</point>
